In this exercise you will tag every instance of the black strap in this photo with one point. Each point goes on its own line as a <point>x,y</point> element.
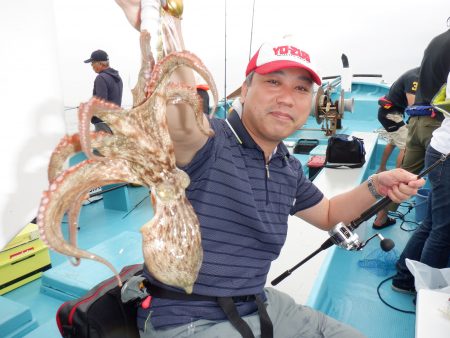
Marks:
<point>264,319</point>
<point>229,308</point>
<point>158,292</point>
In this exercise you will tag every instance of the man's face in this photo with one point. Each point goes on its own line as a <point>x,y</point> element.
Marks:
<point>276,104</point>
<point>96,66</point>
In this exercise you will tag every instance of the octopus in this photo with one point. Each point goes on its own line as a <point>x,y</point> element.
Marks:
<point>140,151</point>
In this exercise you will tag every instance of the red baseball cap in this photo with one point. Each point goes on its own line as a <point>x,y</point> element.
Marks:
<point>279,54</point>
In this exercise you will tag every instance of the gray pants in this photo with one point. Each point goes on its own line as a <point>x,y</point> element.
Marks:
<point>289,320</point>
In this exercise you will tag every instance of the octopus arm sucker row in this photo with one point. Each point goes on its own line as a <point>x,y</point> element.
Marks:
<point>68,146</point>
<point>139,92</point>
<point>72,217</point>
<point>171,62</point>
<point>84,125</point>
<point>70,186</point>
<point>188,95</point>
<point>152,120</point>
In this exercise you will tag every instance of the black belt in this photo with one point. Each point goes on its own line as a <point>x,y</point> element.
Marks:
<point>228,306</point>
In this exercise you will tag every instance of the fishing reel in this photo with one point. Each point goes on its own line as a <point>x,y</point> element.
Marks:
<point>343,236</point>
<point>329,112</point>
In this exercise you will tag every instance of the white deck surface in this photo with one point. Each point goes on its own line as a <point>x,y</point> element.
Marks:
<point>433,314</point>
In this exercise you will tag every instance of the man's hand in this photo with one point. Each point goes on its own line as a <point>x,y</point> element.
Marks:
<point>132,10</point>
<point>398,184</point>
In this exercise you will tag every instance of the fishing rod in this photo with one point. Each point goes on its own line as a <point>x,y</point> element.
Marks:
<point>342,235</point>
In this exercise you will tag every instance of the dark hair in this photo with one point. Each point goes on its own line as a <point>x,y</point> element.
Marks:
<point>249,78</point>
<point>205,99</point>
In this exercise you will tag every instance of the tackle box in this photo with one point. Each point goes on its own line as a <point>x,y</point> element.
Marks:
<point>23,259</point>
<point>304,146</point>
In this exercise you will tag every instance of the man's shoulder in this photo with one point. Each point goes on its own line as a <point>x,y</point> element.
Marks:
<point>221,134</point>
<point>110,74</point>
<point>295,164</point>
<point>101,77</point>
<point>104,75</point>
<point>218,125</point>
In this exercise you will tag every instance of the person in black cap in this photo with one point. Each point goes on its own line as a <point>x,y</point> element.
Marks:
<point>107,85</point>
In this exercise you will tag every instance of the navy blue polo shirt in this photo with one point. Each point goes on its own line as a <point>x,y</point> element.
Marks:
<point>243,207</point>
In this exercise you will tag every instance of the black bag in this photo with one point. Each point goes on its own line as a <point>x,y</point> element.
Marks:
<point>344,151</point>
<point>101,313</point>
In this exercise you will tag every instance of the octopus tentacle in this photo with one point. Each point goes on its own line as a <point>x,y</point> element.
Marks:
<point>72,218</point>
<point>68,146</point>
<point>63,191</point>
<point>139,92</point>
<point>73,230</point>
<point>100,108</point>
<point>179,92</point>
<point>171,62</point>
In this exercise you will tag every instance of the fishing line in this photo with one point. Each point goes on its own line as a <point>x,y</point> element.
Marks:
<point>225,61</point>
<point>251,32</point>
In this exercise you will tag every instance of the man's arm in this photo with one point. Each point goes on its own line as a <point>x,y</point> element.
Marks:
<point>398,184</point>
<point>100,88</point>
<point>186,136</point>
<point>184,131</point>
<point>410,98</point>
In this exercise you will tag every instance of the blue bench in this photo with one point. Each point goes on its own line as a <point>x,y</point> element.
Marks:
<point>67,282</point>
<point>16,319</point>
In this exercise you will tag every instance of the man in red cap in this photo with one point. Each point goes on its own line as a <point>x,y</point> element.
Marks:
<point>244,185</point>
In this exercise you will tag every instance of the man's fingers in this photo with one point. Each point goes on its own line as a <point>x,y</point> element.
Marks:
<point>401,192</point>
<point>417,183</point>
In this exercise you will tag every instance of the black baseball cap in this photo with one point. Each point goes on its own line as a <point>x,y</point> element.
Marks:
<point>98,55</point>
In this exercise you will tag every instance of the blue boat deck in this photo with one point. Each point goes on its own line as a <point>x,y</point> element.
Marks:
<point>346,288</point>
<point>97,225</point>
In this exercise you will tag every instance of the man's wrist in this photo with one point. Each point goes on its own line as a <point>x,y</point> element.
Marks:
<point>371,184</point>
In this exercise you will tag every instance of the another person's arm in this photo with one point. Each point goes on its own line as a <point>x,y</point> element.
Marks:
<point>398,184</point>
<point>410,98</point>
<point>100,88</point>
